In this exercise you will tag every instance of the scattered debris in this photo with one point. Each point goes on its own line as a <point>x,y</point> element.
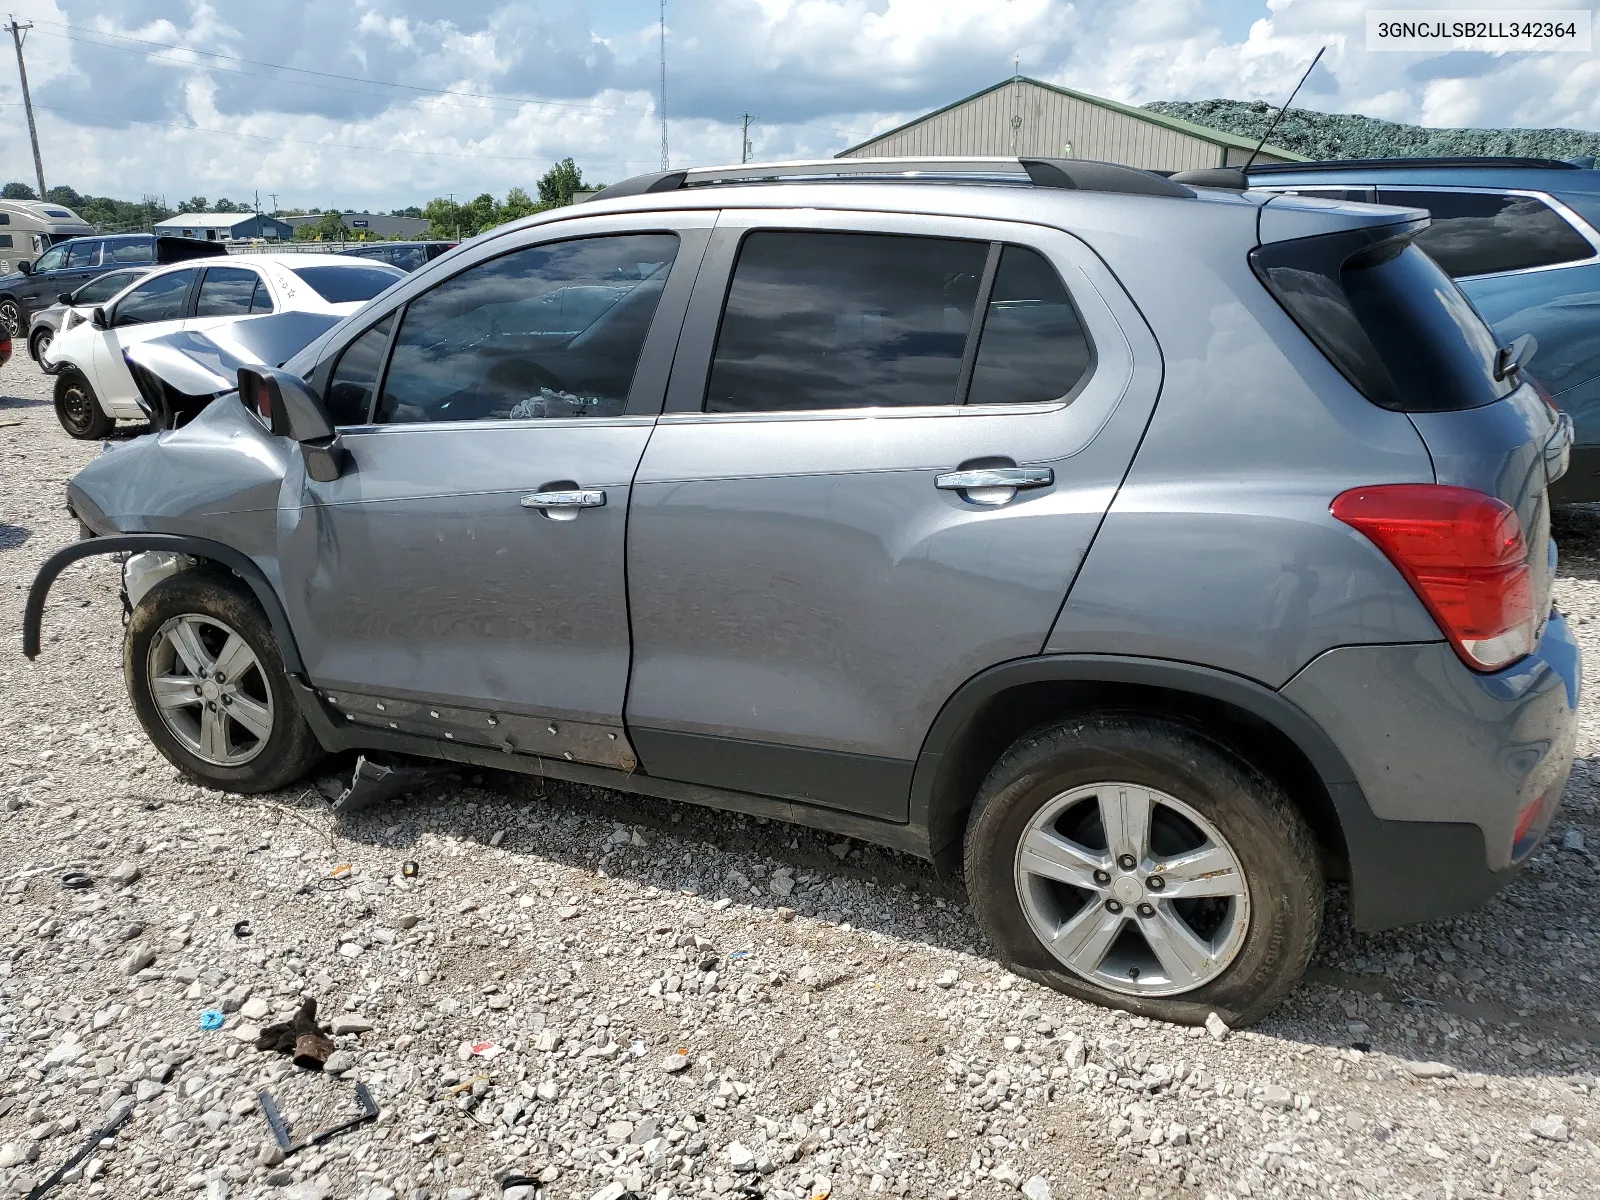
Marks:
<point>77,880</point>
<point>1217,1027</point>
<point>242,929</point>
<point>409,869</point>
<point>300,1036</point>
<point>119,1114</point>
<point>212,1019</point>
<point>280,1127</point>
<point>373,781</point>
<point>486,1050</point>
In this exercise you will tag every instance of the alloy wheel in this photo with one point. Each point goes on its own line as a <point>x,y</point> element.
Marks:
<point>1132,889</point>
<point>210,690</point>
<point>10,317</point>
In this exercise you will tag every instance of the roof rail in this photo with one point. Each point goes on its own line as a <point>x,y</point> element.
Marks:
<point>1071,174</point>
<point>1487,160</point>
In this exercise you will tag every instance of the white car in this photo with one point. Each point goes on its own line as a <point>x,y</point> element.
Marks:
<point>93,386</point>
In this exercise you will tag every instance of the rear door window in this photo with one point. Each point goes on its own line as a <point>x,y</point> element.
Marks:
<point>83,254</point>
<point>1482,233</point>
<point>100,290</point>
<point>133,252</point>
<point>819,320</point>
<point>226,292</point>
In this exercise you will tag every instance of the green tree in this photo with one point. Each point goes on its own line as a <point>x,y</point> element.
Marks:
<point>61,194</point>
<point>194,204</point>
<point>18,191</point>
<point>518,204</point>
<point>226,205</point>
<point>331,228</point>
<point>412,211</point>
<point>558,183</point>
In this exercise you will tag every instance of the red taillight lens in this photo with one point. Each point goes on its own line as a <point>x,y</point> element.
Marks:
<point>1462,552</point>
<point>5,347</point>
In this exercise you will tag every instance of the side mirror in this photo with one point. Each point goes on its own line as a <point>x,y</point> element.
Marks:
<point>294,411</point>
<point>25,267</point>
<point>64,298</point>
<point>98,318</point>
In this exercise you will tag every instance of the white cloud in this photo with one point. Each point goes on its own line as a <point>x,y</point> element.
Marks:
<point>820,73</point>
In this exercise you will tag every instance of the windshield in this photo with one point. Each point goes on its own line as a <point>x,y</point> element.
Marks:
<point>348,284</point>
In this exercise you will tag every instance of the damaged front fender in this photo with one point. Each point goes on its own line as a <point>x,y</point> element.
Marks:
<point>172,543</point>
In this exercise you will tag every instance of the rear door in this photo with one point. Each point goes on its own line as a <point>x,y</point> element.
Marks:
<point>227,294</point>
<point>854,503</point>
<point>464,579</point>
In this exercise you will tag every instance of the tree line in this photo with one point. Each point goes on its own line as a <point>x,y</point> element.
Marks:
<point>448,219</point>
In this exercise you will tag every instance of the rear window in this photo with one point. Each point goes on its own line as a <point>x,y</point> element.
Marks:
<point>132,252</point>
<point>1385,314</point>
<point>1482,233</point>
<point>344,285</point>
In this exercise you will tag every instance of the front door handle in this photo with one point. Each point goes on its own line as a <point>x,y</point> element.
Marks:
<point>994,485</point>
<point>573,498</point>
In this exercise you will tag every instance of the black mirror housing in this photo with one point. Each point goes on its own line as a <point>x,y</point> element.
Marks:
<point>64,298</point>
<point>292,410</point>
<point>98,318</point>
<point>25,268</point>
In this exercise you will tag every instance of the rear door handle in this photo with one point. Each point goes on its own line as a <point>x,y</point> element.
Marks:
<point>994,485</point>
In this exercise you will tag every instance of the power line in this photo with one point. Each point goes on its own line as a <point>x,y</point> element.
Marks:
<point>254,62</point>
<point>261,137</point>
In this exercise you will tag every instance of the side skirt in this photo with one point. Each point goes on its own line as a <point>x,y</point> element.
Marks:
<point>343,735</point>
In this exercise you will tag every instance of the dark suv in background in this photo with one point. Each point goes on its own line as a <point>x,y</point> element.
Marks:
<point>68,265</point>
<point>408,256</point>
<point>1519,235</point>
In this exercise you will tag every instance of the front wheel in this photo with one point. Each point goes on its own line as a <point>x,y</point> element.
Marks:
<point>1137,863</point>
<point>78,408</point>
<point>41,344</point>
<point>10,317</point>
<point>208,684</point>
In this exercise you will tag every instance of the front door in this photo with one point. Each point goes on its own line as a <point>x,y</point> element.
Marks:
<point>464,578</point>
<point>155,307</point>
<point>883,457</point>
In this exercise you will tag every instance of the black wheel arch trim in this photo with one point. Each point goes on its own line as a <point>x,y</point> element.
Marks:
<point>173,543</point>
<point>1400,871</point>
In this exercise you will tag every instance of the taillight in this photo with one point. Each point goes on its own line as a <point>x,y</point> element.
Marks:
<point>1463,553</point>
<point>5,347</point>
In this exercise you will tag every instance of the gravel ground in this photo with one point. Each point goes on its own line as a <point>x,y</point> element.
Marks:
<point>619,996</point>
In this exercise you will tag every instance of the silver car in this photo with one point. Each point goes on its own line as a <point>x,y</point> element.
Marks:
<point>1153,553</point>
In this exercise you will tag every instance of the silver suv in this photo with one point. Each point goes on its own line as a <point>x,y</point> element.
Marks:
<point>1156,552</point>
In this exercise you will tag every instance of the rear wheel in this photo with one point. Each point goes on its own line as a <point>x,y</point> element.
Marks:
<point>78,408</point>
<point>10,317</point>
<point>41,343</point>
<point>1137,863</point>
<point>207,681</point>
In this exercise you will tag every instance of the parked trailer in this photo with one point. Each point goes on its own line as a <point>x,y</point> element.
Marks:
<point>30,227</point>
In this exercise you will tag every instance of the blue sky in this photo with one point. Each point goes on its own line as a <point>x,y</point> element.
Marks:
<point>395,101</point>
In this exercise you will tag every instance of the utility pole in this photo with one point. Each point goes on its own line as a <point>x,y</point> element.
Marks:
<point>666,161</point>
<point>16,31</point>
<point>274,196</point>
<point>744,146</point>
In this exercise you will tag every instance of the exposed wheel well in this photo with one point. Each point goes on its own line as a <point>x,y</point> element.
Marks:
<point>1009,714</point>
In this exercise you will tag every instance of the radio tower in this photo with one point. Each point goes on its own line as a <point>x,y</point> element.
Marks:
<point>666,161</point>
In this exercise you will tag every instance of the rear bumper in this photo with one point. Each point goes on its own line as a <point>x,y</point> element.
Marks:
<point>1462,772</point>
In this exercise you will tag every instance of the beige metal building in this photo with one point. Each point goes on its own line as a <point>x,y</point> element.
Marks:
<point>1027,117</point>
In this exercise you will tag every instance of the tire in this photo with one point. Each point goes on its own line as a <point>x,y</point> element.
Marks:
<point>253,739</point>
<point>78,408</point>
<point>1249,948</point>
<point>10,317</point>
<point>40,343</point>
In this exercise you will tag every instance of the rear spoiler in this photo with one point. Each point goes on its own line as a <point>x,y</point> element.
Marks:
<point>179,249</point>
